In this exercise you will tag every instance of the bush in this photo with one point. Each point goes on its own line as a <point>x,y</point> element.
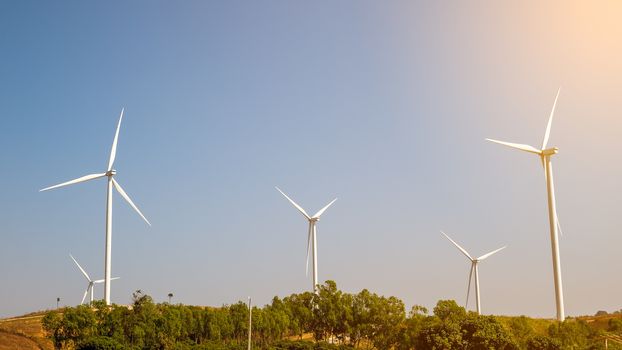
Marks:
<point>100,343</point>
<point>541,342</point>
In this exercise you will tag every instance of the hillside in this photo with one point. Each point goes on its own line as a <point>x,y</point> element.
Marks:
<point>23,332</point>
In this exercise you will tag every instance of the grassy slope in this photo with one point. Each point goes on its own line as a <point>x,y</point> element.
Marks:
<point>24,332</point>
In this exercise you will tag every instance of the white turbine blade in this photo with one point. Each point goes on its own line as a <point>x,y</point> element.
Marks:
<point>75,181</point>
<point>491,253</point>
<point>295,205</point>
<point>548,126</point>
<point>519,146</point>
<point>113,151</point>
<point>308,251</point>
<point>85,293</point>
<point>127,198</point>
<point>559,228</point>
<point>469,287</point>
<point>81,269</point>
<point>458,246</point>
<point>102,281</point>
<point>319,213</point>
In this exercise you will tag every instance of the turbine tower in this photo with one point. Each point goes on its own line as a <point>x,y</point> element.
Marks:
<point>545,157</point>
<point>91,284</point>
<point>111,183</point>
<point>311,236</point>
<point>473,271</point>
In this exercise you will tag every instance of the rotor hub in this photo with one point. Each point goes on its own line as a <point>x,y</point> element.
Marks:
<point>111,172</point>
<point>550,151</point>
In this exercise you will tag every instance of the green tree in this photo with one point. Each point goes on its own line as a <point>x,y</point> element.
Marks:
<point>614,325</point>
<point>51,323</point>
<point>571,334</point>
<point>100,343</point>
<point>326,310</point>
<point>541,342</point>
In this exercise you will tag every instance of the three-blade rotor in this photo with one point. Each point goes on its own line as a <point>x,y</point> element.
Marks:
<point>88,278</point>
<point>542,152</point>
<point>109,173</point>
<point>312,220</point>
<point>474,262</point>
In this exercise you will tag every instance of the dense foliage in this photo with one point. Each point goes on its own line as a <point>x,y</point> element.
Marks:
<point>334,320</point>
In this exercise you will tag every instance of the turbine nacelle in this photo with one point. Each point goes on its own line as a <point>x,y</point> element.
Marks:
<point>550,151</point>
<point>111,172</point>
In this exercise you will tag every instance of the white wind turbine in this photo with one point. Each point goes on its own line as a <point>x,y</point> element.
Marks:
<point>311,236</point>
<point>91,284</point>
<point>111,183</point>
<point>545,156</point>
<point>473,271</point>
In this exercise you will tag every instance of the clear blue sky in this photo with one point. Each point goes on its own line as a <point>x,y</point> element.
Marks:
<point>383,104</point>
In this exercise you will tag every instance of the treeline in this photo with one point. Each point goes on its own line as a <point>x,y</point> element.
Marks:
<point>332,319</point>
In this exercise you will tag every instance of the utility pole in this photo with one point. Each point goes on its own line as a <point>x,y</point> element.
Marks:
<point>250,322</point>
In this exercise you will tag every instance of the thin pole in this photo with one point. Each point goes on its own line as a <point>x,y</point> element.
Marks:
<point>108,257</point>
<point>250,321</point>
<point>557,274</point>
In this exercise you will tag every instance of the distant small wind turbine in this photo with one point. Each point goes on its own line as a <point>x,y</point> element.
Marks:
<point>91,284</point>
<point>111,183</point>
<point>311,236</point>
<point>545,157</point>
<point>473,271</point>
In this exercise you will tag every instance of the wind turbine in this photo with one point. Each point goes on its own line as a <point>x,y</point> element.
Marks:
<point>111,183</point>
<point>311,236</point>
<point>473,271</point>
<point>545,156</point>
<point>91,282</point>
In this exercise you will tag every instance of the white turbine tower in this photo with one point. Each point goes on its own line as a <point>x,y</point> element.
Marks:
<point>111,183</point>
<point>311,236</point>
<point>91,284</point>
<point>473,271</point>
<point>545,156</point>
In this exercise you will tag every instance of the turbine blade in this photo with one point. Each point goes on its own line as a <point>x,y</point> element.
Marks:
<point>469,287</point>
<point>519,146</point>
<point>308,250</point>
<point>113,151</point>
<point>102,280</point>
<point>548,126</point>
<point>81,269</point>
<point>295,205</point>
<point>75,181</point>
<point>559,228</point>
<point>127,198</point>
<point>317,215</point>
<point>85,293</point>
<point>491,253</point>
<point>458,246</point>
